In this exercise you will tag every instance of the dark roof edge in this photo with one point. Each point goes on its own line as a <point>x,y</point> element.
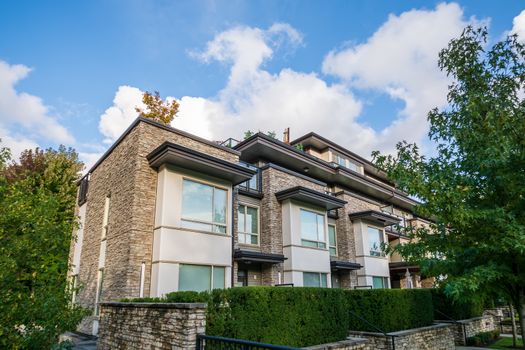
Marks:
<point>161,126</point>
<point>334,145</point>
<point>293,173</point>
<point>285,194</point>
<point>325,163</point>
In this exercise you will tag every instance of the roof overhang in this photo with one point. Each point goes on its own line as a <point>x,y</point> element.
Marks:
<point>249,256</point>
<point>171,153</point>
<point>263,147</point>
<point>402,266</point>
<point>375,217</point>
<point>344,265</point>
<point>307,195</point>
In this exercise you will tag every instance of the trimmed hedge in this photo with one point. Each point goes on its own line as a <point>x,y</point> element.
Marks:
<point>456,310</point>
<point>306,316</point>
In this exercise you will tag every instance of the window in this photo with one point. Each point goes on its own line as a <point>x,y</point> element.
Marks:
<point>312,229</point>
<point>332,243</point>
<point>248,224</point>
<point>375,238</point>
<point>98,296</point>
<point>74,283</point>
<point>379,282</point>
<point>314,279</point>
<point>82,193</point>
<point>201,278</point>
<point>203,207</point>
<point>105,218</point>
<point>340,160</point>
<point>353,166</point>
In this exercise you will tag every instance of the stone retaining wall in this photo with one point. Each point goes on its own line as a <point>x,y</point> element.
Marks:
<point>470,327</point>
<point>436,337</point>
<point>150,325</point>
<point>349,344</point>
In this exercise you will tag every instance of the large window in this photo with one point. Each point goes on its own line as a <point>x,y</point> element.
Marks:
<point>248,224</point>
<point>375,238</point>
<point>312,229</point>
<point>203,207</point>
<point>332,242</point>
<point>98,296</point>
<point>314,279</point>
<point>380,282</point>
<point>200,277</point>
<point>105,218</point>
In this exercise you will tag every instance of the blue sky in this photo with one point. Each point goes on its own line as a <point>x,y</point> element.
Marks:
<point>361,72</point>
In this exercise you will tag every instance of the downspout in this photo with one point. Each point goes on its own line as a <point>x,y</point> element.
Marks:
<point>233,239</point>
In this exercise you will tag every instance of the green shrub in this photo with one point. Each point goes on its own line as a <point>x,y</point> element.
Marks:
<point>306,316</point>
<point>391,309</point>
<point>483,338</point>
<point>454,309</point>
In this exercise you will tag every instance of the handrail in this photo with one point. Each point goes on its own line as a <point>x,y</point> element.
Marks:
<point>392,336</point>
<point>455,322</point>
<point>200,337</point>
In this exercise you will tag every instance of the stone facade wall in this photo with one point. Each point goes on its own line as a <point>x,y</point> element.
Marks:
<point>346,249</point>
<point>127,178</point>
<point>150,326</point>
<point>275,180</point>
<point>470,327</point>
<point>436,337</point>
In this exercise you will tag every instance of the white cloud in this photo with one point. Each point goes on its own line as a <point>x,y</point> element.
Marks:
<point>26,111</point>
<point>399,59</point>
<point>119,116</point>
<point>518,25</point>
<point>16,143</point>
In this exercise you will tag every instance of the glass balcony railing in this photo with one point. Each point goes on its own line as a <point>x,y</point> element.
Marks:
<point>255,183</point>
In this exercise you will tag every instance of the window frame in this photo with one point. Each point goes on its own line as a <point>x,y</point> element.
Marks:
<point>325,229</point>
<point>384,282</point>
<point>100,285</point>
<point>212,268</point>
<point>212,223</point>
<point>334,246</point>
<point>105,217</point>
<point>321,275</point>
<point>239,233</point>
<point>373,253</point>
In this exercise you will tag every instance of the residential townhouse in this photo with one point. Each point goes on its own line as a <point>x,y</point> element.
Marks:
<point>164,210</point>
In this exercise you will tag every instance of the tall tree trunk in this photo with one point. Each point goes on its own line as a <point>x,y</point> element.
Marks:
<point>521,314</point>
<point>514,331</point>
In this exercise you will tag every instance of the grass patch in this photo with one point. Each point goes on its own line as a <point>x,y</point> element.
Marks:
<point>506,343</point>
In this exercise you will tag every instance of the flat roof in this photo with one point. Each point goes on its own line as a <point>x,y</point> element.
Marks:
<point>160,126</point>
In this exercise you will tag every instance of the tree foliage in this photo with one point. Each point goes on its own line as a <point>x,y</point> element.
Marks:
<point>160,111</point>
<point>474,186</point>
<point>37,219</point>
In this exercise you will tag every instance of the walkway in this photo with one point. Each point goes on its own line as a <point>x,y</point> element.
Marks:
<point>82,342</point>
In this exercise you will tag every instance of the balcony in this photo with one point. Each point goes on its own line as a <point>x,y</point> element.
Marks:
<point>252,187</point>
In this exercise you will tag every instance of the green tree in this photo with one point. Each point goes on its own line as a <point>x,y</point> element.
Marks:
<point>160,111</point>
<point>474,186</point>
<point>37,219</point>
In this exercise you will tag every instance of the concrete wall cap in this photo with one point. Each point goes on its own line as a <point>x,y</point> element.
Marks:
<point>155,305</point>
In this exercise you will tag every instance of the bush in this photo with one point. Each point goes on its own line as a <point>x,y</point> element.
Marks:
<point>483,338</point>
<point>455,309</point>
<point>306,316</point>
<point>391,309</point>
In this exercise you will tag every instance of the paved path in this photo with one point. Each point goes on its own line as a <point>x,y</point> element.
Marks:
<point>81,342</point>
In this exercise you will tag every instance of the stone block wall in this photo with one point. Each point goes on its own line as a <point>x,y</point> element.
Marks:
<point>470,327</point>
<point>436,337</point>
<point>150,325</point>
